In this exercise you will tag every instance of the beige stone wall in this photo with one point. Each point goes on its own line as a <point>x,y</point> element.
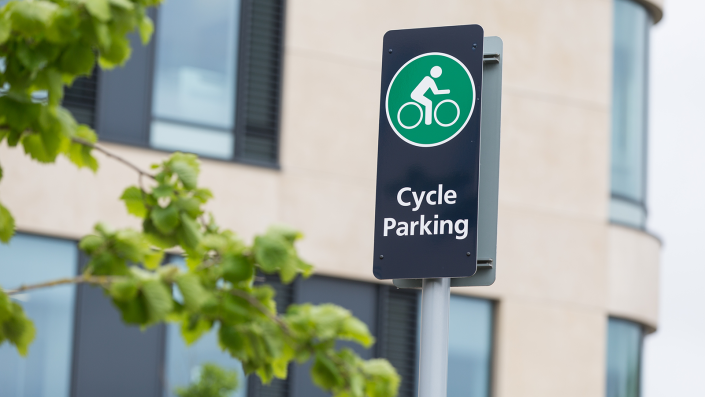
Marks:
<point>562,269</point>
<point>634,259</point>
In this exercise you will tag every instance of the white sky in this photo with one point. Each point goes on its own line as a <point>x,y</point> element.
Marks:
<point>674,358</point>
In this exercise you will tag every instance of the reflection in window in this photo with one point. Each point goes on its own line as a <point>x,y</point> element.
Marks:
<point>469,347</point>
<point>183,363</point>
<point>45,372</point>
<point>195,70</point>
<point>624,341</point>
<point>629,113</point>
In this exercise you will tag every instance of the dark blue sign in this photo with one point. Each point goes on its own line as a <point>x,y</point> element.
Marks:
<point>428,153</point>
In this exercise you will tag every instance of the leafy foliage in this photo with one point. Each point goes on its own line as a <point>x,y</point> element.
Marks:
<point>47,44</point>
<point>15,327</point>
<point>213,382</point>
<point>218,290</point>
<point>44,45</point>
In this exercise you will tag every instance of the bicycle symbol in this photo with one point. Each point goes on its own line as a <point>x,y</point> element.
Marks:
<point>418,96</point>
<point>435,114</point>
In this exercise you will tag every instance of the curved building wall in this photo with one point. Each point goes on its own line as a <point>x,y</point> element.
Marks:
<point>562,268</point>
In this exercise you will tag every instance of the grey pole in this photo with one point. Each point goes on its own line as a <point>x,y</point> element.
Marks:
<point>433,358</point>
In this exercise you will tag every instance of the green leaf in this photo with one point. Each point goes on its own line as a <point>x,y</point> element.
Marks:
<point>5,306</point>
<point>91,243</point>
<point>124,4</point>
<point>237,268</point>
<point>354,329</point>
<point>18,329</point>
<point>50,133</point>
<point>383,380</point>
<point>133,311</point>
<point>163,190</point>
<point>157,300</point>
<point>156,237</point>
<point>165,219</point>
<point>186,167</point>
<point>134,201</point>
<point>153,259</point>
<point>34,146</point>
<point>78,59</point>
<point>80,154</point>
<point>213,381</point>
<point>272,252</point>
<point>193,327</point>
<point>329,320</point>
<point>230,338</point>
<point>5,29</point>
<point>63,27</point>
<point>189,233</point>
<point>288,233</point>
<point>203,195</point>
<point>130,244</point>
<point>193,292</point>
<point>100,9</point>
<point>189,205</point>
<point>55,88</point>
<point>146,28</point>
<point>124,290</point>
<point>117,53</point>
<point>7,224</point>
<point>31,17</point>
<point>325,374</point>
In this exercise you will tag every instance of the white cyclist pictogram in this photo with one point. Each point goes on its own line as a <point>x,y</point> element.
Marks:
<point>428,113</point>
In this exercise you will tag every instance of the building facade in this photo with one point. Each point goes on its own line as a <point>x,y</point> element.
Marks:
<point>280,98</point>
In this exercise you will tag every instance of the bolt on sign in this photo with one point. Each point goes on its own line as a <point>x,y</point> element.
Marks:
<point>428,153</point>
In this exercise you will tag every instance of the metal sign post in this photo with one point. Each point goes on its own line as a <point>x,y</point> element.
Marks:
<point>433,357</point>
<point>437,174</point>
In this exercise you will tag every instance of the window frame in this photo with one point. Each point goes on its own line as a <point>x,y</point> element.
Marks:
<point>640,205</point>
<point>143,63</point>
<point>640,356</point>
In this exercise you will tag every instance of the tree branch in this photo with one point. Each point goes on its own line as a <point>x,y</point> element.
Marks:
<point>262,308</point>
<point>97,280</point>
<point>112,155</point>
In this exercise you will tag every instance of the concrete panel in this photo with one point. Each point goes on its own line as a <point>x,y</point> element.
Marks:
<point>336,215</point>
<point>634,258</point>
<point>552,258</point>
<point>555,156</point>
<point>330,118</point>
<point>549,350</point>
<point>61,200</point>
<point>563,53</point>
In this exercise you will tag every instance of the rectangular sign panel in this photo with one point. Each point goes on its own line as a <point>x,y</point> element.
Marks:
<point>428,154</point>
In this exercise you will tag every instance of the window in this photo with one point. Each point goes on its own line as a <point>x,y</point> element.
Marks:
<point>46,371</point>
<point>208,83</point>
<point>193,105</point>
<point>469,347</point>
<point>397,337</point>
<point>629,113</point>
<point>183,363</point>
<point>624,342</point>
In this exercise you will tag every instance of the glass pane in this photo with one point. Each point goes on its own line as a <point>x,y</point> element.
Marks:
<point>183,363</point>
<point>208,142</point>
<point>623,358</point>
<point>46,371</point>
<point>469,347</point>
<point>627,213</point>
<point>629,99</point>
<point>195,65</point>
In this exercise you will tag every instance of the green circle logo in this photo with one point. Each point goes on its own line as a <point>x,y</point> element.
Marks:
<point>430,99</point>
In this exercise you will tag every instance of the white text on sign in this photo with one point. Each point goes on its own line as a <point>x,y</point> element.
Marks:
<point>409,198</point>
